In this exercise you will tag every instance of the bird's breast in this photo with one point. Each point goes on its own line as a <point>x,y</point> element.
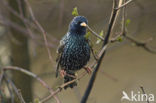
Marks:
<point>76,53</point>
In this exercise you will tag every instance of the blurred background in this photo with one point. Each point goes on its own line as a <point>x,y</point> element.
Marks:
<point>125,67</point>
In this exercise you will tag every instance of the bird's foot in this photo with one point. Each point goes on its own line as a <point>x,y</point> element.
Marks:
<point>88,69</point>
<point>63,73</point>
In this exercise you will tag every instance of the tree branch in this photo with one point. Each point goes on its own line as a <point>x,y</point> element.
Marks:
<point>17,91</point>
<point>93,77</point>
<point>125,4</point>
<point>143,91</point>
<point>141,44</point>
<point>98,36</point>
<point>44,33</point>
<point>62,86</point>
<point>34,76</point>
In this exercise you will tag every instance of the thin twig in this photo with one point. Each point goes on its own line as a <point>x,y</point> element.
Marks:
<point>27,23</point>
<point>15,89</point>
<point>95,33</point>
<point>23,16</point>
<point>62,86</point>
<point>141,44</point>
<point>137,42</point>
<point>92,51</point>
<point>41,29</point>
<point>25,20</point>
<point>1,77</point>
<point>34,76</point>
<point>11,93</point>
<point>123,26</point>
<point>125,4</point>
<point>143,91</point>
<point>93,77</point>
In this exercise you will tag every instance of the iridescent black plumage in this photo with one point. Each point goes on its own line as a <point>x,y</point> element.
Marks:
<point>74,50</point>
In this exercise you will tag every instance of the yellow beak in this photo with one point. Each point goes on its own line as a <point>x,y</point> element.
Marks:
<point>83,24</point>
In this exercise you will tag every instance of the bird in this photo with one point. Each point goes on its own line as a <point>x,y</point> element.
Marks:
<point>73,50</point>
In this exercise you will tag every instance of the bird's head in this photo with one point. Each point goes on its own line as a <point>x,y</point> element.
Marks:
<point>78,25</point>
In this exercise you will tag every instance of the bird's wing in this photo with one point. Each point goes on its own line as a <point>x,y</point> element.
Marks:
<point>60,50</point>
<point>59,54</point>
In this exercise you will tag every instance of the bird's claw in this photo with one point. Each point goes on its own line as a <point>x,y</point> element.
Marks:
<point>88,69</point>
<point>63,73</point>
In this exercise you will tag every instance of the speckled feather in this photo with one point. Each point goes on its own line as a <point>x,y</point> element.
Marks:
<point>74,50</point>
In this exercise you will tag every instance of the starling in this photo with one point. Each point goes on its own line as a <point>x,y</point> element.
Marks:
<point>73,51</point>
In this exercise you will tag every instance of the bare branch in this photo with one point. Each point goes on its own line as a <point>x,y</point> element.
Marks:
<point>143,91</point>
<point>62,86</point>
<point>110,27</point>
<point>17,91</point>
<point>124,34</point>
<point>125,4</point>
<point>1,77</point>
<point>41,29</point>
<point>10,91</point>
<point>34,76</point>
<point>141,44</point>
<point>98,36</point>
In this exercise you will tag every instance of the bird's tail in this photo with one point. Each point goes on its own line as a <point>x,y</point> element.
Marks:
<point>71,76</point>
